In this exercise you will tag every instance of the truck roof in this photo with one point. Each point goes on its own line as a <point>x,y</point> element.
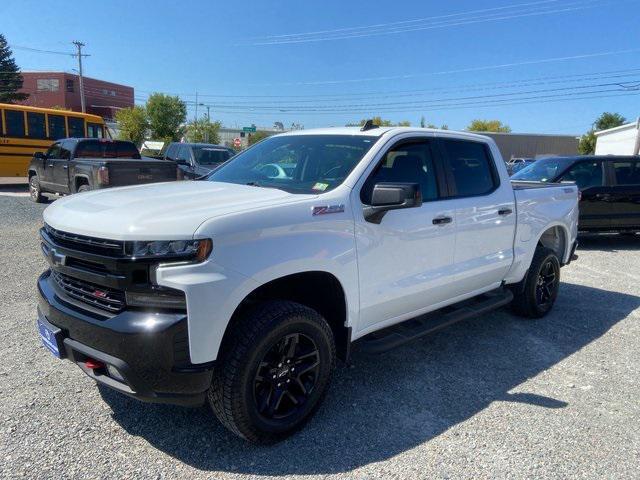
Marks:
<point>378,132</point>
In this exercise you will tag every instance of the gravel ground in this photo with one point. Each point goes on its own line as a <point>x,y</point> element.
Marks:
<point>494,397</point>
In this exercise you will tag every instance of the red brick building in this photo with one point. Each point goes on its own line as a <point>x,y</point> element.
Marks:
<point>51,89</point>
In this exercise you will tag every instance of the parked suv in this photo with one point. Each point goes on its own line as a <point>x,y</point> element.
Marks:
<point>610,188</point>
<point>243,289</point>
<point>197,159</point>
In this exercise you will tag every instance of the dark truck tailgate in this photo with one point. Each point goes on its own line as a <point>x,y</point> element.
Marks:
<point>125,171</point>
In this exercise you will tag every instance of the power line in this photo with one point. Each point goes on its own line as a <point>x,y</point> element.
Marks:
<point>39,50</point>
<point>537,11</point>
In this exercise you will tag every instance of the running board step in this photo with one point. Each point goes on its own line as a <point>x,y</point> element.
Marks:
<point>396,335</point>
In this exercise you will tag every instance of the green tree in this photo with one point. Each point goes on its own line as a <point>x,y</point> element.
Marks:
<point>166,116</point>
<point>607,120</point>
<point>203,130</point>
<point>133,124</point>
<point>10,77</point>
<point>488,126</point>
<point>255,137</point>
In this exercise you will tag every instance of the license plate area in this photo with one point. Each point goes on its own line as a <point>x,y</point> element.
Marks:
<point>51,337</point>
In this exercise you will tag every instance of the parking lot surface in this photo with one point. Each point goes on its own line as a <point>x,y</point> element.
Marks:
<point>492,397</point>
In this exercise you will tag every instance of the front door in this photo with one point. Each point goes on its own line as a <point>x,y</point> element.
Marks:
<point>595,204</point>
<point>625,194</point>
<point>485,214</point>
<point>405,260</point>
<point>47,176</point>
<point>61,167</point>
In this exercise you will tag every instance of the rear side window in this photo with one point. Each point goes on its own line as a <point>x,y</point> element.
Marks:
<point>627,172</point>
<point>105,149</point>
<point>76,127</point>
<point>471,167</point>
<point>57,129</point>
<point>15,123</point>
<point>36,125</point>
<point>585,174</point>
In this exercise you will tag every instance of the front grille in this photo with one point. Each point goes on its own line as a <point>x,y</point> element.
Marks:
<point>86,244</point>
<point>112,301</point>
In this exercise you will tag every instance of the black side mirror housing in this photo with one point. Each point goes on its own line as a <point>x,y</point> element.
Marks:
<point>387,196</point>
<point>40,156</point>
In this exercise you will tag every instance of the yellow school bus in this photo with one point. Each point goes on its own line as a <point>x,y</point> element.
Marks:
<point>26,130</point>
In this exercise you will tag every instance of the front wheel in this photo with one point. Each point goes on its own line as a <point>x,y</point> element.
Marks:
<point>273,371</point>
<point>84,188</point>
<point>34,189</point>
<point>535,297</point>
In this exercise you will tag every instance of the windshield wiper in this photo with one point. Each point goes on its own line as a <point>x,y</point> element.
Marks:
<point>261,185</point>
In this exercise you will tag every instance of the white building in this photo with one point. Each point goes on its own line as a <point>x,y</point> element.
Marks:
<point>622,140</point>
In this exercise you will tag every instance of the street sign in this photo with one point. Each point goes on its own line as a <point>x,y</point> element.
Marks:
<point>237,142</point>
<point>248,129</point>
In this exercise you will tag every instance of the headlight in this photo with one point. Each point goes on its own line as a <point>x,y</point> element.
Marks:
<point>197,250</point>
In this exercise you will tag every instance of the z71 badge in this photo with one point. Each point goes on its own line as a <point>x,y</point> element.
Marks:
<point>327,209</point>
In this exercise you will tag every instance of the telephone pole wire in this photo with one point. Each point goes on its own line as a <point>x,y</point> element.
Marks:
<point>79,46</point>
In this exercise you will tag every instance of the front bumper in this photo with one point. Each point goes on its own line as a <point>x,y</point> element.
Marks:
<point>149,350</point>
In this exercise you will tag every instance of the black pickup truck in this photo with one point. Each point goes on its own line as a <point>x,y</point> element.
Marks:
<point>79,164</point>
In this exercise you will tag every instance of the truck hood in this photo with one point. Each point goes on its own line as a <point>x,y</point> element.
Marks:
<point>161,211</point>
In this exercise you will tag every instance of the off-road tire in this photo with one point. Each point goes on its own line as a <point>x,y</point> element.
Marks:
<point>34,189</point>
<point>251,338</point>
<point>526,301</point>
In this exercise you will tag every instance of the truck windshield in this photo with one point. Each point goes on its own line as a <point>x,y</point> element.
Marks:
<point>210,155</point>
<point>297,163</point>
<point>543,170</point>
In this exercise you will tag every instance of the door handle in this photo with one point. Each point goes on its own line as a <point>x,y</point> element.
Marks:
<point>442,220</point>
<point>505,211</point>
<point>603,196</point>
<point>65,166</point>
<point>51,164</point>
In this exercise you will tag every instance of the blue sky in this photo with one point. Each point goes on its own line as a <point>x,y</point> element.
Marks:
<point>260,62</point>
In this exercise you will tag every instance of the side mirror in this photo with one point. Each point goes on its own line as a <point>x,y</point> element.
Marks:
<point>40,156</point>
<point>391,196</point>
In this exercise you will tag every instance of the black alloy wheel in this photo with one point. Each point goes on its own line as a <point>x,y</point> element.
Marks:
<point>286,377</point>
<point>547,284</point>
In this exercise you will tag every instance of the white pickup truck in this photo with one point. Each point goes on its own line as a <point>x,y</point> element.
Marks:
<point>243,288</point>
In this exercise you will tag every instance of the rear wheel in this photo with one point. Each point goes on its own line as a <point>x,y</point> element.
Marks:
<point>34,189</point>
<point>535,297</point>
<point>273,372</point>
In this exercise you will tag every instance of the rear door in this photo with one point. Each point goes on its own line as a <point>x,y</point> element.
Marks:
<point>485,216</point>
<point>625,193</point>
<point>595,206</point>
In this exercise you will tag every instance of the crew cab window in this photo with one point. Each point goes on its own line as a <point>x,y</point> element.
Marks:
<point>106,149</point>
<point>184,154</point>
<point>471,167</point>
<point>36,125</point>
<point>57,128</point>
<point>65,149</point>
<point>210,155</point>
<point>76,127</point>
<point>54,151</point>
<point>406,163</point>
<point>585,174</point>
<point>15,123</point>
<point>627,173</point>
<point>172,151</point>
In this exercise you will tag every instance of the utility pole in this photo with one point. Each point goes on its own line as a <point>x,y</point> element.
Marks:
<point>79,46</point>
<point>196,106</point>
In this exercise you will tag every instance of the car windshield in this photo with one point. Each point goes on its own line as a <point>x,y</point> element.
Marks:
<point>543,170</point>
<point>211,155</point>
<point>297,163</point>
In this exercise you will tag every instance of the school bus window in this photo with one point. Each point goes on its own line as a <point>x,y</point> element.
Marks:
<point>36,125</point>
<point>94,130</point>
<point>15,123</point>
<point>57,129</point>
<point>76,127</point>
